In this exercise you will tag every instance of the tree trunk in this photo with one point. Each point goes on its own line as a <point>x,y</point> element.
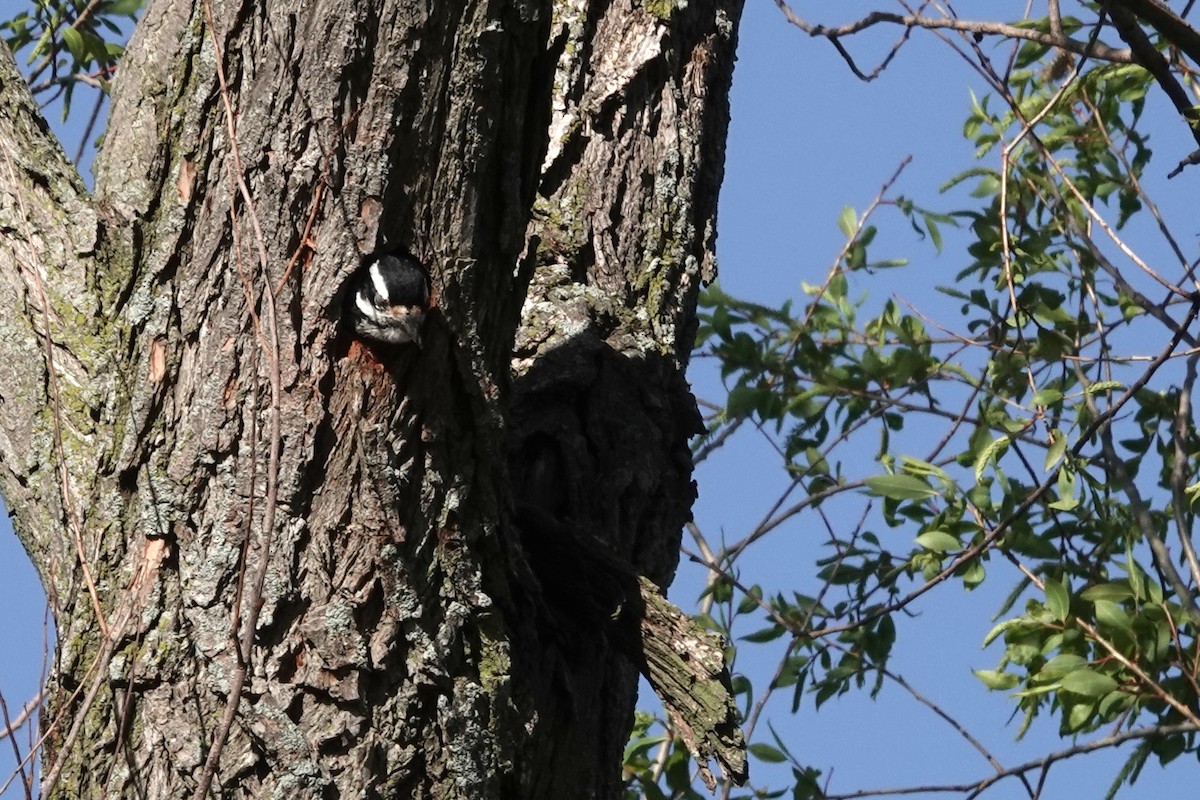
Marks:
<point>283,562</point>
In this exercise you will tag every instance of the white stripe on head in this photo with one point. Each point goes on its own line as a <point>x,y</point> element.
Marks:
<point>380,285</point>
<point>364,304</point>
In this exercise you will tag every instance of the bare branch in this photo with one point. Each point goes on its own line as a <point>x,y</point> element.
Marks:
<point>11,725</point>
<point>981,28</point>
<point>1170,25</point>
<point>974,789</point>
<point>1148,56</point>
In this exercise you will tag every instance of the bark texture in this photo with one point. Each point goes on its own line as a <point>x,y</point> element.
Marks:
<point>366,559</point>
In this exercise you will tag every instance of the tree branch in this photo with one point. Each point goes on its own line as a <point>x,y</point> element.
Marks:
<point>1169,25</point>
<point>47,328</point>
<point>1147,55</point>
<point>1039,763</point>
<point>1096,51</point>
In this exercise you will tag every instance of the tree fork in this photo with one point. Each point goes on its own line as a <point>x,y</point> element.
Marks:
<point>403,646</point>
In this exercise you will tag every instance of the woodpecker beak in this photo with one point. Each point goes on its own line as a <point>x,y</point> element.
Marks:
<point>409,319</point>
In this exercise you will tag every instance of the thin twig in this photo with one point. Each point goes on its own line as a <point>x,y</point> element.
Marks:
<point>1162,694</point>
<point>91,126</point>
<point>717,441</point>
<point>9,725</point>
<point>953,723</point>
<point>974,789</point>
<point>1142,194</point>
<point>269,341</point>
<point>1096,50</point>
<point>99,678</point>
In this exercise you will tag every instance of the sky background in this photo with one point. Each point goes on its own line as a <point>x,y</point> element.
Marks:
<point>807,138</point>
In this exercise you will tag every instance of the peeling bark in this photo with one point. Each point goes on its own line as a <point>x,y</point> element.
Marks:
<point>406,640</point>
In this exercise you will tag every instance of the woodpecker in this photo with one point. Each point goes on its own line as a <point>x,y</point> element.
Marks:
<point>390,297</point>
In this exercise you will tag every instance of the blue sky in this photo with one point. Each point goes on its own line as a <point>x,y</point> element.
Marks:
<point>807,138</point>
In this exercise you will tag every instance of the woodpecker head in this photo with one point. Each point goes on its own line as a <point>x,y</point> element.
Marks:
<point>389,298</point>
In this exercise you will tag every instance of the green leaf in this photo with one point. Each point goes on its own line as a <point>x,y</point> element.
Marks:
<point>1058,446</point>
<point>935,233</point>
<point>1079,716</point>
<point>1192,493</point>
<point>1088,682</point>
<point>1066,488</point>
<point>1115,703</point>
<point>848,221</point>
<point>742,401</point>
<point>41,47</point>
<point>999,629</point>
<point>765,752</point>
<point>1063,504</point>
<point>124,8</point>
<point>1115,591</point>
<point>990,453</point>
<point>1112,616</point>
<point>900,487</point>
<point>996,679</point>
<point>1060,665</point>
<point>939,541</point>
<point>1047,397</point>
<point>768,634</point>
<point>640,745</point>
<point>73,39</point>
<point>918,467</point>
<point>1058,600</point>
<point>974,574</point>
<point>1104,386</point>
<point>1169,748</point>
<point>93,47</point>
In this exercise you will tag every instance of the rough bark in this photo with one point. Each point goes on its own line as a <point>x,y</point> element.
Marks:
<point>622,235</point>
<point>200,459</point>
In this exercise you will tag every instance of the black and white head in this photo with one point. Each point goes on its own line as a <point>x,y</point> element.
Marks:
<point>390,298</point>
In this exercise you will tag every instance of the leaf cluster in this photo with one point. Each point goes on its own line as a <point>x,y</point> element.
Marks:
<point>68,42</point>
